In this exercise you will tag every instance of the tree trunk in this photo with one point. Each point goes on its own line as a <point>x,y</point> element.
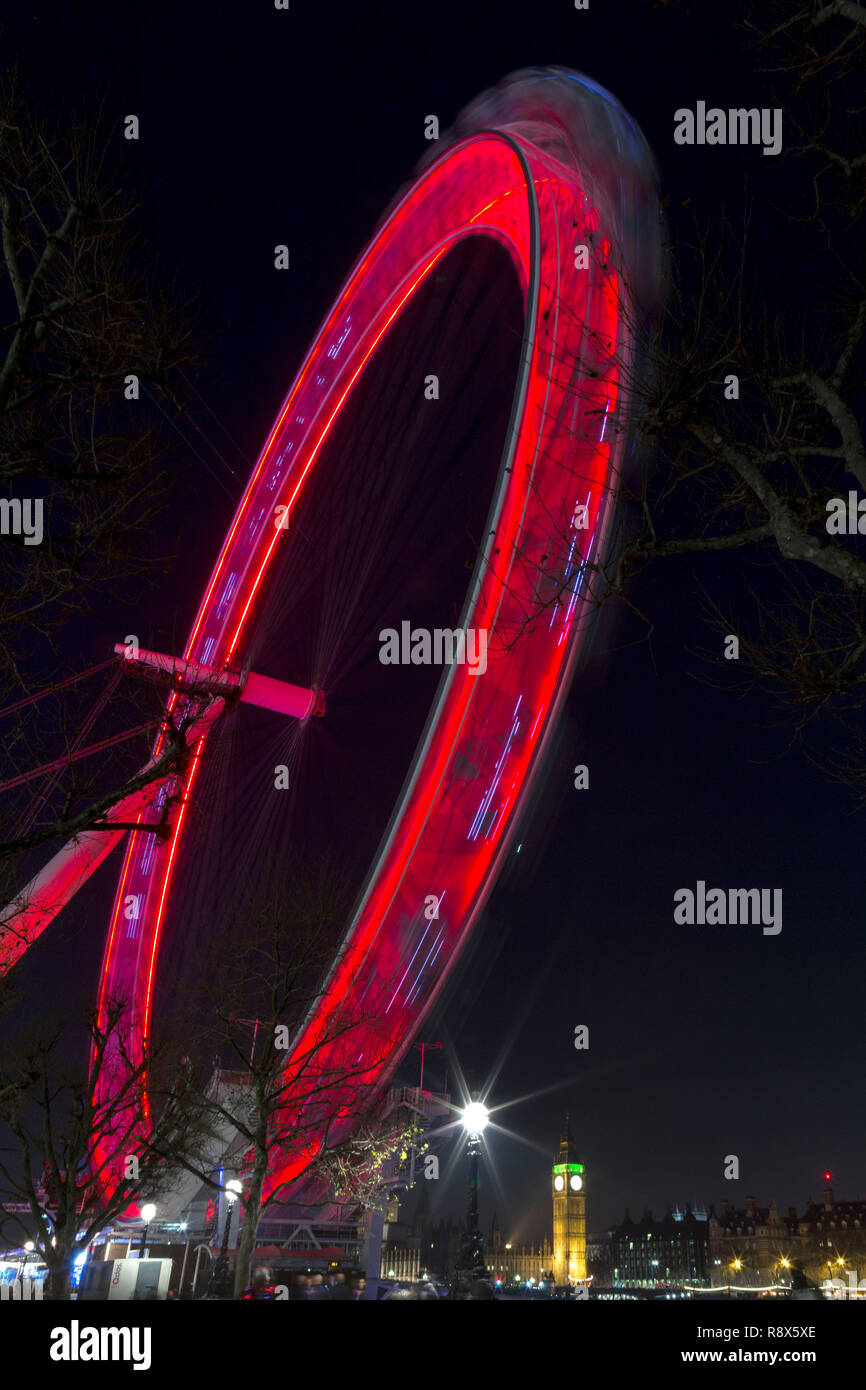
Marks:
<point>252,1217</point>
<point>58,1285</point>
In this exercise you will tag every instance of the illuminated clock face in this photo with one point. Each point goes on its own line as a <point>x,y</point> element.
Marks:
<point>576,1183</point>
<point>559,1182</point>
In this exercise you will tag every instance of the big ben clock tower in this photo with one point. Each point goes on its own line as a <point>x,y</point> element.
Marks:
<point>569,1213</point>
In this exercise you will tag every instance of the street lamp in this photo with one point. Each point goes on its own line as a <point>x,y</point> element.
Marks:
<point>474,1118</point>
<point>148,1212</point>
<point>233,1190</point>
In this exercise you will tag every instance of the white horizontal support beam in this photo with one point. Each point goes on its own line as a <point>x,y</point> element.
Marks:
<point>296,701</point>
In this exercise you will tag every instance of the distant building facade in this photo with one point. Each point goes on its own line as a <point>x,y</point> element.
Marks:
<point>832,1239</point>
<point>511,1263</point>
<point>598,1266</point>
<point>752,1246</point>
<point>400,1259</point>
<point>672,1250</point>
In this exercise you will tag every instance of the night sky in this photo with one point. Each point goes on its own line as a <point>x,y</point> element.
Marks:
<point>261,127</point>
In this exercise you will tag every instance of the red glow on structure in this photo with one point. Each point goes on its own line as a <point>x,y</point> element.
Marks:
<point>451,831</point>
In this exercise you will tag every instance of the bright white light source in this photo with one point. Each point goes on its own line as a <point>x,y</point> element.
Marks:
<point>475,1117</point>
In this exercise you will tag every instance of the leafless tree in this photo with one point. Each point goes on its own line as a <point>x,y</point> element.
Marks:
<point>93,360</point>
<point>84,337</point>
<point>355,1172</point>
<point>748,404</point>
<point>285,1094</point>
<point>79,1151</point>
<point>87,806</point>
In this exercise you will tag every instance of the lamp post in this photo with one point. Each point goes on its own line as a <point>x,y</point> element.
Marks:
<point>148,1212</point>
<point>233,1191</point>
<point>219,1277</point>
<point>471,1263</point>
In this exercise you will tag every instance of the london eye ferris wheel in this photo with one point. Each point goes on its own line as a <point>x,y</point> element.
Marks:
<point>543,195</point>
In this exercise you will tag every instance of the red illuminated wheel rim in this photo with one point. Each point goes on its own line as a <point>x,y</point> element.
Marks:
<point>456,814</point>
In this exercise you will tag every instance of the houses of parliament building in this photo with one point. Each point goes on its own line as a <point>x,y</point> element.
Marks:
<point>432,1248</point>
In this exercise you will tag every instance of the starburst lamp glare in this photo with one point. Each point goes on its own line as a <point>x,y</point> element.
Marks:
<point>475,1117</point>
